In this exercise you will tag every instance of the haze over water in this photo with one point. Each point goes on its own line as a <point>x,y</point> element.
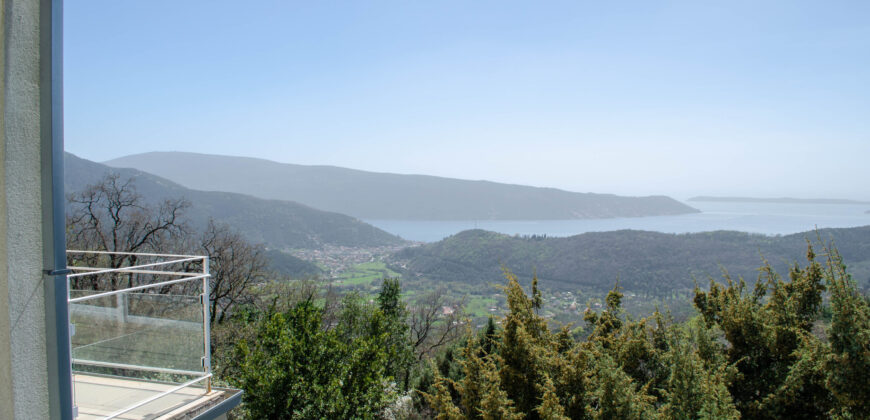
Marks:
<point>764,218</point>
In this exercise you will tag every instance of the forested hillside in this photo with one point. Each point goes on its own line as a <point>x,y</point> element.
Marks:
<point>650,263</point>
<point>372,195</point>
<point>278,224</point>
<point>788,347</point>
<point>289,265</point>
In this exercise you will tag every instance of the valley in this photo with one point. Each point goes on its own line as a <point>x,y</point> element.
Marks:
<point>654,269</point>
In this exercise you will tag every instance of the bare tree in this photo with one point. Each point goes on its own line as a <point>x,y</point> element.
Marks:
<point>435,322</point>
<point>111,216</point>
<point>235,264</point>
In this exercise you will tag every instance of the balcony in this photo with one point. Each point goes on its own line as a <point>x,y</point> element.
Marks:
<point>139,336</point>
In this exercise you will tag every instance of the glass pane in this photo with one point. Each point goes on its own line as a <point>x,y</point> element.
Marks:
<point>135,345</point>
<point>151,331</point>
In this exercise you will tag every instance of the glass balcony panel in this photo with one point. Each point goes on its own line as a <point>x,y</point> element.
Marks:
<point>151,331</point>
<point>137,335</point>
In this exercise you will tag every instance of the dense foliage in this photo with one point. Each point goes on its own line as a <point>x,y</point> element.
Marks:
<point>646,263</point>
<point>288,265</point>
<point>301,360</point>
<point>797,347</point>
<point>759,354</point>
<point>297,369</point>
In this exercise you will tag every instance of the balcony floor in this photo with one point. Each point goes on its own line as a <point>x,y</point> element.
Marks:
<point>98,396</point>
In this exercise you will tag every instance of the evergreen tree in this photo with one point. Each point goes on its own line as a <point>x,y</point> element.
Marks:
<point>441,401</point>
<point>692,390</point>
<point>495,404</point>
<point>766,331</point>
<point>615,396</point>
<point>296,369</point>
<point>750,353</point>
<point>550,408</point>
<point>523,346</point>
<point>400,354</point>
<point>848,364</point>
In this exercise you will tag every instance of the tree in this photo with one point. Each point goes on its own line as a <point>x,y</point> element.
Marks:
<point>550,408</point>
<point>848,363</point>
<point>295,368</point>
<point>398,346</point>
<point>537,301</point>
<point>769,332</point>
<point>692,389</point>
<point>615,395</point>
<point>524,349</point>
<point>510,373</point>
<point>111,216</point>
<point>234,264</point>
<point>432,328</point>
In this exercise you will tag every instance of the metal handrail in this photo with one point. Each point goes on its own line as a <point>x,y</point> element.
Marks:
<point>143,254</point>
<point>93,270</point>
<point>125,269</point>
<point>138,269</point>
<point>135,288</point>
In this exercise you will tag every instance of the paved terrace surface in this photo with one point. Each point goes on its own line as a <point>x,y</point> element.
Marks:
<point>99,396</point>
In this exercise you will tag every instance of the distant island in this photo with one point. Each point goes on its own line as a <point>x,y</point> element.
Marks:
<point>780,200</point>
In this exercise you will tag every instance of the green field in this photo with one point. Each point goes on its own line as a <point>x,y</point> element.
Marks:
<point>478,306</point>
<point>365,274</point>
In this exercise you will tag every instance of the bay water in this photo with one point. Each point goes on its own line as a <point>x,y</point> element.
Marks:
<point>764,218</point>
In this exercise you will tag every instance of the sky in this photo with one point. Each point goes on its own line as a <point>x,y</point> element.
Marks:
<point>754,98</point>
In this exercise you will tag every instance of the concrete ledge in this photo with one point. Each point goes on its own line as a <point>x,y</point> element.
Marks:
<point>97,396</point>
<point>221,408</point>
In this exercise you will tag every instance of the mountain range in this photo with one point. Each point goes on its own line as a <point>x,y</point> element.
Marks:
<point>656,264</point>
<point>372,195</point>
<point>276,223</point>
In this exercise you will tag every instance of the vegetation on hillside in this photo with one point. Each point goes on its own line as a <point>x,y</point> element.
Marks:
<point>785,347</point>
<point>289,265</point>
<point>274,223</point>
<point>795,347</point>
<point>296,365</point>
<point>752,352</point>
<point>646,263</point>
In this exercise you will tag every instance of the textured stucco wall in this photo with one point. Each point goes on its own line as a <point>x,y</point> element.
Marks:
<point>5,358</point>
<point>22,242</point>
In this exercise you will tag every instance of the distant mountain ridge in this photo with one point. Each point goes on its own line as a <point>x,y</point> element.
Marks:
<point>371,195</point>
<point>780,200</point>
<point>278,224</point>
<point>652,263</point>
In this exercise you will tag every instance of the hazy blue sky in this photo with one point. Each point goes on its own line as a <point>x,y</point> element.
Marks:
<point>741,98</point>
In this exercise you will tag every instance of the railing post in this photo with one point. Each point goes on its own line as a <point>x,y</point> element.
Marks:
<point>71,328</point>
<point>206,328</point>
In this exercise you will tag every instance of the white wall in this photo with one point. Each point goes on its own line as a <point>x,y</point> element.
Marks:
<point>24,374</point>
